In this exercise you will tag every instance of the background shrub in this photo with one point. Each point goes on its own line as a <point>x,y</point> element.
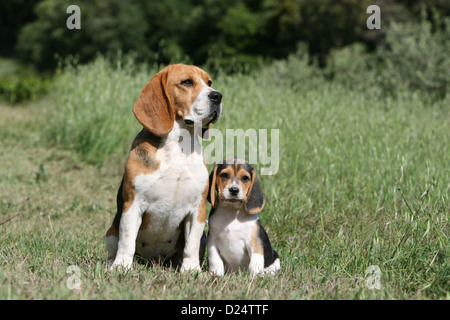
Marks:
<point>416,56</point>
<point>298,71</point>
<point>352,67</point>
<point>23,89</point>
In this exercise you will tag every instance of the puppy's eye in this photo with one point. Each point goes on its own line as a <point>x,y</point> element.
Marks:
<point>187,82</point>
<point>224,175</point>
<point>245,178</point>
<point>209,83</point>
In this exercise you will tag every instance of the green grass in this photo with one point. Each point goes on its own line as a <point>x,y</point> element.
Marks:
<point>363,180</point>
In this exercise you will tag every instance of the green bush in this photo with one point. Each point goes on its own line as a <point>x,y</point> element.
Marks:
<point>106,26</point>
<point>299,71</point>
<point>24,88</point>
<point>416,57</point>
<point>351,66</point>
<point>413,60</point>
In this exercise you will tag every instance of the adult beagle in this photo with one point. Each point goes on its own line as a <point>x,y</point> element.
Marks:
<point>236,239</point>
<point>161,209</point>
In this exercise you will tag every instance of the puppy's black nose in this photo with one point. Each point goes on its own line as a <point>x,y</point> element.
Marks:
<point>215,97</point>
<point>233,190</point>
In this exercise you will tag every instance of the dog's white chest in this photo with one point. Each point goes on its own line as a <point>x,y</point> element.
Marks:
<point>167,196</point>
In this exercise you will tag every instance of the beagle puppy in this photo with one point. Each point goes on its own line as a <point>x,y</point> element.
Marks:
<point>236,239</point>
<point>161,208</point>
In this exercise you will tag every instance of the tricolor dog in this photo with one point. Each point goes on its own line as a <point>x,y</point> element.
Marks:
<point>161,208</point>
<point>236,239</point>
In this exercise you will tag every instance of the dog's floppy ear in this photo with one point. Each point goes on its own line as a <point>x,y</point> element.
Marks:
<point>153,109</point>
<point>255,199</point>
<point>205,133</point>
<point>212,187</point>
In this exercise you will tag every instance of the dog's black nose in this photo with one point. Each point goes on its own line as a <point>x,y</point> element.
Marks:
<point>215,96</point>
<point>233,190</point>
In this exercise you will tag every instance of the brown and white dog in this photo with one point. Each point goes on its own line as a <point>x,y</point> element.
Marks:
<point>236,239</point>
<point>161,208</point>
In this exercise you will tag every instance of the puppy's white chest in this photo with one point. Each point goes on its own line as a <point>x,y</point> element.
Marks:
<point>232,235</point>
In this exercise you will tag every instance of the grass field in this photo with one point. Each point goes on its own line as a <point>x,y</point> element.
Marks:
<point>363,181</point>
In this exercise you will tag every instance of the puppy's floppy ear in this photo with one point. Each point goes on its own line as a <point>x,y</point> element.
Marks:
<point>212,187</point>
<point>255,199</point>
<point>153,108</point>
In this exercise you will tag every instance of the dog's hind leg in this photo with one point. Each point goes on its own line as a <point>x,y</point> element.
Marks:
<point>112,240</point>
<point>112,235</point>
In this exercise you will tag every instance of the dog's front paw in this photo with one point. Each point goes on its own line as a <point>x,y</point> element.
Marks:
<point>219,272</point>
<point>189,265</point>
<point>121,264</point>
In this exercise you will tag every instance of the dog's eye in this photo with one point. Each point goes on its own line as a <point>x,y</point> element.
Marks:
<point>187,82</point>
<point>224,175</point>
<point>209,83</point>
<point>245,178</point>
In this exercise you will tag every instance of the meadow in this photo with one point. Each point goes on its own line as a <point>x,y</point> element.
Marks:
<point>363,181</point>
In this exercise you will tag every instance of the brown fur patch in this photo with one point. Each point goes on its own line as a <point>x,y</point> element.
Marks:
<point>246,185</point>
<point>140,161</point>
<point>255,240</point>
<point>212,187</point>
<point>112,231</point>
<point>201,216</point>
<point>143,151</point>
<point>145,221</point>
<point>224,178</point>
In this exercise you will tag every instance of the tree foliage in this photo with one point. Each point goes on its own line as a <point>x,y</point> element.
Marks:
<point>211,31</point>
